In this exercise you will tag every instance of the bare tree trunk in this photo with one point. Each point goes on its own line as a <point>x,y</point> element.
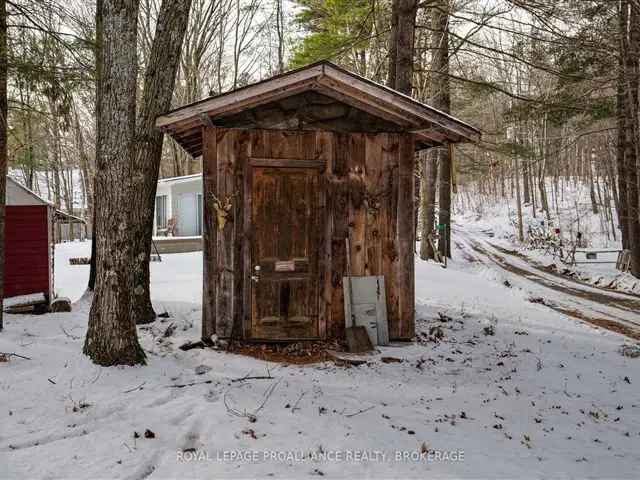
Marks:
<point>158,90</point>
<point>525,183</point>
<point>632,76</point>
<point>621,169</point>
<point>405,34</point>
<point>280,33</point>
<point>94,227</point>
<point>592,187</point>
<point>85,167</point>
<point>111,336</point>
<point>3,142</point>
<point>518,201</point>
<point>440,98</point>
<point>393,45</point>
<point>401,58</point>
<point>428,199</point>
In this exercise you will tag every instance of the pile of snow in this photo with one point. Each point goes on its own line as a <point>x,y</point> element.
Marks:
<point>22,300</point>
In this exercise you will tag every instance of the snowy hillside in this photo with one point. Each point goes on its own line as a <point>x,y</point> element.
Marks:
<point>572,214</point>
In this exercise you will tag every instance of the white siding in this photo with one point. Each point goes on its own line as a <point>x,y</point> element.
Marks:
<point>173,188</point>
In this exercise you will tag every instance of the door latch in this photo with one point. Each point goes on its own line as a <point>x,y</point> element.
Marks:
<point>256,277</point>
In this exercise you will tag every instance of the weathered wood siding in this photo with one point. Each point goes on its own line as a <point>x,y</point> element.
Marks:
<point>366,194</point>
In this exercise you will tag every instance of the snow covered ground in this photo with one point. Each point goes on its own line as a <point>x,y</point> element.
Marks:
<point>544,396</point>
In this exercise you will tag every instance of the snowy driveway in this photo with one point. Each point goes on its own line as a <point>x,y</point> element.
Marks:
<point>612,310</point>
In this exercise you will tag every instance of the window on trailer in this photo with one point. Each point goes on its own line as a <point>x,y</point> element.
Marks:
<point>161,211</point>
<point>200,215</point>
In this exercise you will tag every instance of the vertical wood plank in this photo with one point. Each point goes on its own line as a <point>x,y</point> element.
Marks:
<point>247,232</point>
<point>339,212</point>
<point>357,214</point>
<point>225,267</point>
<point>388,216</point>
<point>209,232</point>
<point>374,198</point>
<point>241,146</point>
<point>406,241</point>
<point>325,151</point>
<point>258,148</point>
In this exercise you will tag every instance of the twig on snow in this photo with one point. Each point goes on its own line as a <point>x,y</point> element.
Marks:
<point>258,377</point>
<point>251,416</point>
<point>360,411</point>
<point>72,337</point>
<point>295,405</point>
<point>139,387</point>
<point>11,354</point>
<point>182,385</point>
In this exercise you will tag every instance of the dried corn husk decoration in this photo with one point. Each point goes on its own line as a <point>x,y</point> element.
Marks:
<point>223,210</point>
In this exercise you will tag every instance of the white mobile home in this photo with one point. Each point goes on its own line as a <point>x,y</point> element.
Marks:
<point>178,209</point>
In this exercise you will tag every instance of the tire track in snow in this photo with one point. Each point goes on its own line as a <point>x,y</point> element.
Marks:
<point>612,310</point>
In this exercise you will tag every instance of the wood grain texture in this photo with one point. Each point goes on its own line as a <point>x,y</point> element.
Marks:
<point>325,152</point>
<point>209,235</point>
<point>374,196</point>
<point>292,221</point>
<point>405,238</point>
<point>388,215</point>
<point>339,217</point>
<point>357,211</point>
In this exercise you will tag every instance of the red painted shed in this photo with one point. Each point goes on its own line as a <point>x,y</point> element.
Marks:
<point>29,243</point>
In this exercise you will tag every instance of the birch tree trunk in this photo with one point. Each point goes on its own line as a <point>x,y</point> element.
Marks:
<point>3,141</point>
<point>158,90</point>
<point>111,336</point>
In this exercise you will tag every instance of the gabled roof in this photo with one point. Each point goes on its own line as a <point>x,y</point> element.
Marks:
<point>18,194</point>
<point>396,111</point>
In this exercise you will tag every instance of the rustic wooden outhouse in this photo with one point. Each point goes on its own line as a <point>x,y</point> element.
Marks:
<point>293,166</point>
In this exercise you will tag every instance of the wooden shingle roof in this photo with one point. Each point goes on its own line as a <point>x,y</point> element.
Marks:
<point>319,96</point>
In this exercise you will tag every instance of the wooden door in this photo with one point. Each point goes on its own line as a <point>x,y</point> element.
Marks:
<point>284,252</point>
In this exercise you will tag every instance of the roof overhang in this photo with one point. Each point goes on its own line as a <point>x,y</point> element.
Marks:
<point>65,217</point>
<point>432,127</point>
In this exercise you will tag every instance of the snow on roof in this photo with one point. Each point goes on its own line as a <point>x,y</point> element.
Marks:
<point>184,178</point>
<point>13,198</point>
<point>41,188</point>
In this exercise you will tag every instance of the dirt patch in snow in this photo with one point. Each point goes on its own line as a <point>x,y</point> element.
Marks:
<point>298,353</point>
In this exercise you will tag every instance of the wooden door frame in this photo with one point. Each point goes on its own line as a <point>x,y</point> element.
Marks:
<point>321,227</point>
